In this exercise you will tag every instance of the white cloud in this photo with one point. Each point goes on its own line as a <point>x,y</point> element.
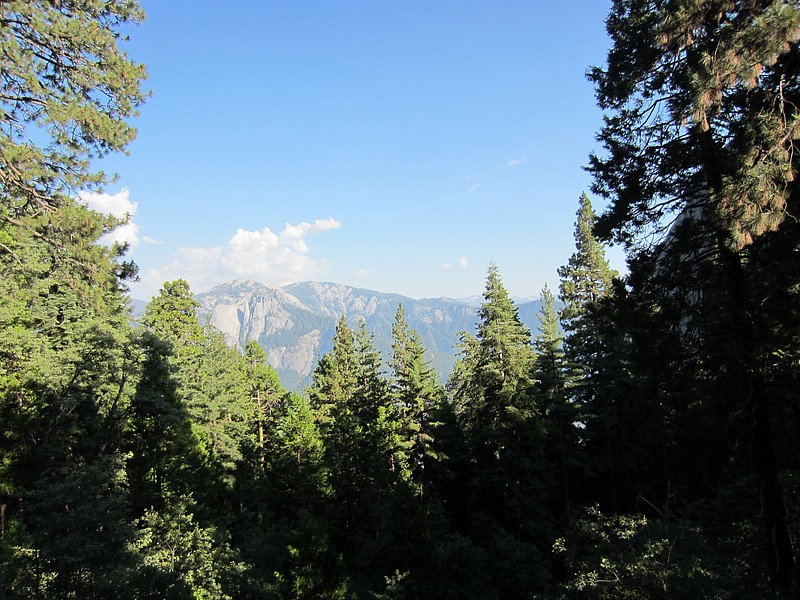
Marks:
<point>127,233</point>
<point>462,262</point>
<point>263,255</point>
<point>361,273</point>
<point>119,206</point>
<point>516,162</point>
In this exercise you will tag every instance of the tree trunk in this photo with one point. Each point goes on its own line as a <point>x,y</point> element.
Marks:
<point>780,551</point>
<point>753,388</point>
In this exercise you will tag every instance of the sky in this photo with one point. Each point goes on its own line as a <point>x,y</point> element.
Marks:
<point>394,145</point>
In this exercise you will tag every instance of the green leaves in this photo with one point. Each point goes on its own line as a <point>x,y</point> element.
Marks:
<point>182,559</point>
<point>496,409</point>
<point>210,377</point>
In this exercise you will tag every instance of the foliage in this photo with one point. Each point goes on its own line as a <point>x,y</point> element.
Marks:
<point>66,379</point>
<point>631,556</point>
<point>180,559</point>
<point>496,410</point>
<point>708,85</point>
<point>68,92</point>
<point>210,376</point>
<point>74,540</point>
<point>559,409</point>
<point>416,396</point>
<point>700,169</point>
<point>157,462</point>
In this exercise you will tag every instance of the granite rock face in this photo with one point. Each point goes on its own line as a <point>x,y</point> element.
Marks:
<point>295,323</point>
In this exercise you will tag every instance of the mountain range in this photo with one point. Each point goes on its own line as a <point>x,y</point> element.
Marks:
<point>295,324</point>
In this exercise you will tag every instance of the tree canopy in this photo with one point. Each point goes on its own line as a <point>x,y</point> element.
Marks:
<point>643,444</point>
<point>67,95</point>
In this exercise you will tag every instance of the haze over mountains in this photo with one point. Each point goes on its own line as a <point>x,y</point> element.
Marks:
<point>295,323</point>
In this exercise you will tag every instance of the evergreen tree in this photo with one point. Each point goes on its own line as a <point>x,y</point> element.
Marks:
<point>407,423</point>
<point>702,101</point>
<point>549,346</point>
<point>94,422</point>
<point>493,392</point>
<point>266,394</point>
<point>585,283</point>
<point>263,410</point>
<point>68,93</point>
<point>67,363</point>
<point>210,387</point>
<point>334,378</point>
<point>67,371</point>
<point>371,386</point>
<point>559,411</point>
<point>158,436</point>
<point>340,404</point>
<point>416,397</point>
<point>310,565</point>
<point>172,315</point>
<point>216,398</point>
<point>182,559</point>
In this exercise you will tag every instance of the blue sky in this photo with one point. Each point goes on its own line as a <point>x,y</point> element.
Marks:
<point>392,145</point>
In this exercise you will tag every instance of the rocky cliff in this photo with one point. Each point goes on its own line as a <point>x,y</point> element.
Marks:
<point>295,324</point>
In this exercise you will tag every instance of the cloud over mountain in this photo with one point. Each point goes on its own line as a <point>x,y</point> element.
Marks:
<point>263,255</point>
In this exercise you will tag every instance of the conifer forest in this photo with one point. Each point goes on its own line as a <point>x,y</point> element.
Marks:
<point>643,442</point>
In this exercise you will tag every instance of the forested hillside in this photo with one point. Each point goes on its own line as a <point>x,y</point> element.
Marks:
<point>641,442</point>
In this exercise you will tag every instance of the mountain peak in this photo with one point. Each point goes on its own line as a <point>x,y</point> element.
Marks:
<point>295,323</point>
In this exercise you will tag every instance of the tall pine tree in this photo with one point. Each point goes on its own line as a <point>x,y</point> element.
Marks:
<point>702,101</point>
<point>494,396</point>
<point>416,399</point>
<point>558,410</point>
<point>585,282</point>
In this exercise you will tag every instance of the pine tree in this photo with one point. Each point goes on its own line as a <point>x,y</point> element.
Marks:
<point>158,435</point>
<point>408,428</point>
<point>68,365</point>
<point>216,397</point>
<point>67,373</point>
<point>493,392</point>
<point>334,378</point>
<point>342,403</point>
<point>549,344</point>
<point>299,493</point>
<point>585,283</point>
<point>172,314</point>
<point>559,412</point>
<point>495,370</point>
<point>371,392</point>
<point>183,559</point>
<point>68,94</point>
<point>703,117</point>
<point>209,384</point>
<point>416,397</point>
<point>266,395</point>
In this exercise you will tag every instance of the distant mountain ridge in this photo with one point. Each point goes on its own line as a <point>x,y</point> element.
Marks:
<point>295,324</point>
